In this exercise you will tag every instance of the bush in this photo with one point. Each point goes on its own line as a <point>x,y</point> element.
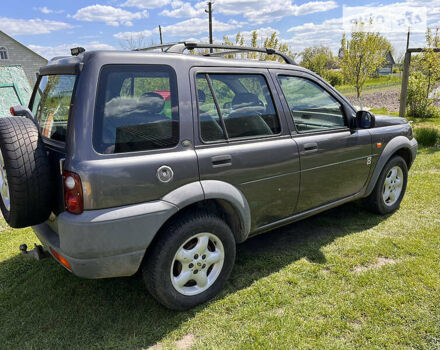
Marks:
<point>419,105</point>
<point>334,77</point>
<point>426,136</point>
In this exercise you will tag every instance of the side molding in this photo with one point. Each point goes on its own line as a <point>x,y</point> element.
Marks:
<point>392,147</point>
<point>185,195</point>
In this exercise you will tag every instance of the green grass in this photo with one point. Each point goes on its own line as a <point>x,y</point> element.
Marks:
<point>383,111</point>
<point>373,84</point>
<point>345,279</point>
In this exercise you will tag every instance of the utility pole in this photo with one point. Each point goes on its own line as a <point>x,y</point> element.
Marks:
<point>209,12</point>
<point>407,39</point>
<point>160,36</point>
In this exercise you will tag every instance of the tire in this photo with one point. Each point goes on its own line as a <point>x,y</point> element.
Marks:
<point>161,269</point>
<point>380,201</point>
<point>25,177</point>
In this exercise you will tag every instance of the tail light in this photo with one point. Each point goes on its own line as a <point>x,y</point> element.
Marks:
<point>73,194</point>
<point>12,111</point>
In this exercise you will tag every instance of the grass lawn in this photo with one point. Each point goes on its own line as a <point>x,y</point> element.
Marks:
<point>345,279</point>
<point>373,84</point>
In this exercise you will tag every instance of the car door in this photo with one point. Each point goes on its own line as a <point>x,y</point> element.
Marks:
<point>335,161</point>
<point>242,138</point>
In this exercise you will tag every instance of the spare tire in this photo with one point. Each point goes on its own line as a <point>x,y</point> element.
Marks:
<point>25,176</point>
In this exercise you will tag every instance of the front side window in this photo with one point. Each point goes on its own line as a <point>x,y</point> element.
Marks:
<point>136,109</point>
<point>311,107</point>
<point>235,106</point>
<point>51,105</point>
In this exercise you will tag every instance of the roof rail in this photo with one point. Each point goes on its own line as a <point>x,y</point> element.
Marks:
<point>180,47</point>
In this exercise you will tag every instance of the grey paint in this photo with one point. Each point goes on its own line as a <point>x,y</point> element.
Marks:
<point>21,55</point>
<point>270,181</point>
<point>106,232</point>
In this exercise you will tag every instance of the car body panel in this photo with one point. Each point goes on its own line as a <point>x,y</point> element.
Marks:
<point>270,182</point>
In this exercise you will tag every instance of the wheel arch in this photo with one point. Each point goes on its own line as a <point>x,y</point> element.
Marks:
<point>215,196</point>
<point>401,146</point>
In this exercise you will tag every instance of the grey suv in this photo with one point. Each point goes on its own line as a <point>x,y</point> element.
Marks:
<point>163,161</point>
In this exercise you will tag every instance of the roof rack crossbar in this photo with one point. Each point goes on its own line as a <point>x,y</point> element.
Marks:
<point>180,47</point>
<point>237,49</point>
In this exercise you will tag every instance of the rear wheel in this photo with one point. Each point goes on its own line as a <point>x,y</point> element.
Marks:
<point>191,261</point>
<point>390,187</point>
<point>25,176</point>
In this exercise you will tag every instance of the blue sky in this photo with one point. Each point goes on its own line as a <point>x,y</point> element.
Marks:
<point>51,27</point>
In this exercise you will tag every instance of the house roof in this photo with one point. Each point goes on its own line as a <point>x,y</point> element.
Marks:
<point>19,43</point>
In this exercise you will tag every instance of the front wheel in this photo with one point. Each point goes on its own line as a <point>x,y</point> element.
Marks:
<point>390,187</point>
<point>191,261</point>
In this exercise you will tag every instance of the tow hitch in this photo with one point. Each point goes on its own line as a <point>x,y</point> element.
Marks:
<point>37,253</point>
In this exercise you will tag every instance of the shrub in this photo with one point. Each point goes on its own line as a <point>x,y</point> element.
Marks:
<point>334,77</point>
<point>419,104</point>
<point>426,136</point>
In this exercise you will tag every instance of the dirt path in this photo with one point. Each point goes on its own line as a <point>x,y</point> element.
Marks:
<point>388,99</point>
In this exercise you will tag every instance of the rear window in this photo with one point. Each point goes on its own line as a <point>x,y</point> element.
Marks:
<point>136,109</point>
<point>51,105</point>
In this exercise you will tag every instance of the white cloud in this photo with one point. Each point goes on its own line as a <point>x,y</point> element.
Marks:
<point>181,9</point>
<point>46,10</point>
<point>198,26</point>
<point>260,11</point>
<point>133,35</point>
<point>64,49</point>
<point>13,26</point>
<point>109,15</point>
<point>145,4</point>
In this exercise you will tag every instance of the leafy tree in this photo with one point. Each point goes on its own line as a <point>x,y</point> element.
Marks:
<point>318,59</point>
<point>430,60</point>
<point>425,71</point>
<point>362,55</point>
<point>272,42</point>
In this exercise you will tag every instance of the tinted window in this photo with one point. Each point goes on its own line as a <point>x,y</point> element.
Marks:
<point>235,106</point>
<point>52,105</point>
<point>312,108</point>
<point>136,109</point>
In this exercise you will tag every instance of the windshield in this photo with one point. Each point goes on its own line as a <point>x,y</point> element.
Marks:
<point>51,105</point>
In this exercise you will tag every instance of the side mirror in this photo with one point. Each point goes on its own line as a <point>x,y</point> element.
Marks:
<point>364,120</point>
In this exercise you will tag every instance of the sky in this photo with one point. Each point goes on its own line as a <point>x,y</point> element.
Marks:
<point>52,27</point>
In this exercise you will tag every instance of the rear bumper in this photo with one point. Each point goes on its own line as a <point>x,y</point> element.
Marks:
<point>108,242</point>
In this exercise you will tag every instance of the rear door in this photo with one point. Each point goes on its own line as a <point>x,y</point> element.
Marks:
<point>51,104</point>
<point>242,138</point>
<point>335,161</point>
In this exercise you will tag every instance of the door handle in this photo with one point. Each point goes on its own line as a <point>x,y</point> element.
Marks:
<point>223,160</point>
<point>311,146</point>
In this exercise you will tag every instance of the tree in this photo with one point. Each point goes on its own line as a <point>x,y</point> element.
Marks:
<point>430,60</point>
<point>318,59</point>
<point>362,56</point>
<point>425,72</point>
<point>272,42</point>
<point>135,41</point>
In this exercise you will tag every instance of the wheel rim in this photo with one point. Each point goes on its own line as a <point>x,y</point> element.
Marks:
<point>4,186</point>
<point>197,264</point>
<point>392,187</point>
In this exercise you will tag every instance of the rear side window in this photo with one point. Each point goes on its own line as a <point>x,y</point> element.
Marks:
<point>51,105</point>
<point>136,109</point>
<point>233,106</point>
